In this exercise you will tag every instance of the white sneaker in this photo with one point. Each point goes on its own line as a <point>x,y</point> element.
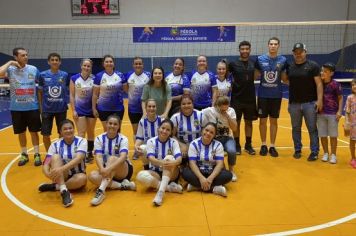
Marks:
<point>220,190</point>
<point>157,201</point>
<point>128,185</point>
<point>191,188</point>
<point>325,157</point>
<point>333,159</point>
<point>234,177</point>
<point>98,198</point>
<point>174,188</point>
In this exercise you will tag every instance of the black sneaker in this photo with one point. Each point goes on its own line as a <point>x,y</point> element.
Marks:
<point>89,158</point>
<point>297,154</point>
<point>249,149</point>
<point>238,150</point>
<point>23,159</point>
<point>313,156</point>
<point>38,161</point>
<point>273,152</point>
<point>66,198</point>
<point>47,187</point>
<point>263,150</point>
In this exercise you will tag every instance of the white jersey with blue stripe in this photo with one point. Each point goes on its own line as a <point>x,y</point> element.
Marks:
<point>136,84</point>
<point>178,83</point>
<point>224,87</point>
<point>111,91</point>
<point>110,147</point>
<point>68,152</point>
<point>201,86</point>
<point>83,94</point>
<point>147,129</point>
<point>188,127</point>
<point>159,150</point>
<point>205,155</point>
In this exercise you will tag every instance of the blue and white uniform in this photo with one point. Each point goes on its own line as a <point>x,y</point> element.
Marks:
<point>188,127</point>
<point>23,96</point>
<point>147,129</point>
<point>201,86</point>
<point>159,150</point>
<point>111,147</point>
<point>205,155</point>
<point>68,152</point>
<point>83,94</point>
<point>178,83</point>
<point>224,87</point>
<point>111,91</point>
<point>55,90</point>
<point>136,84</point>
<point>271,70</point>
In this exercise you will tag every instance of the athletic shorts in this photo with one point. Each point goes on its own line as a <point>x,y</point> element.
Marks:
<point>327,125</point>
<point>103,115</point>
<point>21,120</point>
<point>269,107</point>
<point>129,173</point>
<point>47,121</point>
<point>135,117</point>
<point>248,110</point>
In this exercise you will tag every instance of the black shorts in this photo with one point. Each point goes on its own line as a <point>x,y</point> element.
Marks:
<point>23,119</point>
<point>174,109</point>
<point>47,121</point>
<point>129,173</point>
<point>103,115</point>
<point>135,117</point>
<point>87,116</point>
<point>269,107</point>
<point>248,110</point>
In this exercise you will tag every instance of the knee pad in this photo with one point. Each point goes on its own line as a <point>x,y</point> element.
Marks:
<point>145,178</point>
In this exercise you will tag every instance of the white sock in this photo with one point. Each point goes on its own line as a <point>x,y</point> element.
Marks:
<point>104,184</point>
<point>115,185</point>
<point>36,149</point>
<point>24,150</point>
<point>57,187</point>
<point>272,145</point>
<point>62,187</point>
<point>164,183</point>
<point>264,143</point>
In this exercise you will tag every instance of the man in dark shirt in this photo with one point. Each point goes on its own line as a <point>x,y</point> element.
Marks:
<point>305,99</point>
<point>243,97</point>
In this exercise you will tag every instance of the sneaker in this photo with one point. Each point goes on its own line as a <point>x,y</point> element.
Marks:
<point>249,149</point>
<point>297,154</point>
<point>263,150</point>
<point>333,159</point>
<point>273,152</point>
<point>313,156</point>
<point>23,159</point>
<point>174,188</point>
<point>325,157</point>
<point>128,185</point>
<point>98,198</point>
<point>135,156</point>
<point>191,188</point>
<point>238,150</point>
<point>353,163</point>
<point>47,187</point>
<point>66,198</point>
<point>89,158</point>
<point>38,161</point>
<point>220,190</point>
<point>234,177</point>
<point>158,200</point>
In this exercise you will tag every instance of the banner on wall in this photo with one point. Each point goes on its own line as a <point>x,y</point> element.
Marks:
<point>183,34</point>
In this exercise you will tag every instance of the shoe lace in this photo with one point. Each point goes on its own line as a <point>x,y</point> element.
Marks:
<point>98,194</point>
<point>23,157</point>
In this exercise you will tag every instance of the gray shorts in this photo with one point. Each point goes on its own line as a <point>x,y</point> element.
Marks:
<point>327,125</point>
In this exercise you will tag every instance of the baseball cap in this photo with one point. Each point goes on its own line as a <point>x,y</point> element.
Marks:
<point>299,46</point>
<point>330,66</point>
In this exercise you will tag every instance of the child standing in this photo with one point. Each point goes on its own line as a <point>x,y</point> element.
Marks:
<point>328,118</point>
<point>350,121</point>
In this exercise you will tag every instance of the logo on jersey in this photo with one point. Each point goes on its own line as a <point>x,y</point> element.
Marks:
<point>270,76</point>
<point>169,152</point>
<point>61,80</point>
<point>196,122</point>
<point>31,76</point>
<point>55,91</point>
<point>75,149</point>
<point>78,85</point>
<point>103,81</point>
<point>116,149</point>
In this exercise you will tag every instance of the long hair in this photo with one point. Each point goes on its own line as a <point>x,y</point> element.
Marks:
<point>164,83</point>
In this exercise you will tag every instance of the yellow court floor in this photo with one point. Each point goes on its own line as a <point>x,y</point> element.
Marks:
<point>277,196</point>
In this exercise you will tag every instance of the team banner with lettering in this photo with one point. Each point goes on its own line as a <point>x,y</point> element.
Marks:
<point>183,34</point>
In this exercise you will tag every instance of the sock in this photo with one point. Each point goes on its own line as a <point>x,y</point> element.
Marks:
<point>264,143</point>
<point>104,184</point>
<point>146,167</point>
<point>57,187</point>
<point>248,141</point>
<point>115,185</point>
<point>164,183</point>
<point>90,145</point>
<point>36,149</point>
<point>237,141</point>
<point>24,150</point>
<point>62,187</point>
<point>272,145</point>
